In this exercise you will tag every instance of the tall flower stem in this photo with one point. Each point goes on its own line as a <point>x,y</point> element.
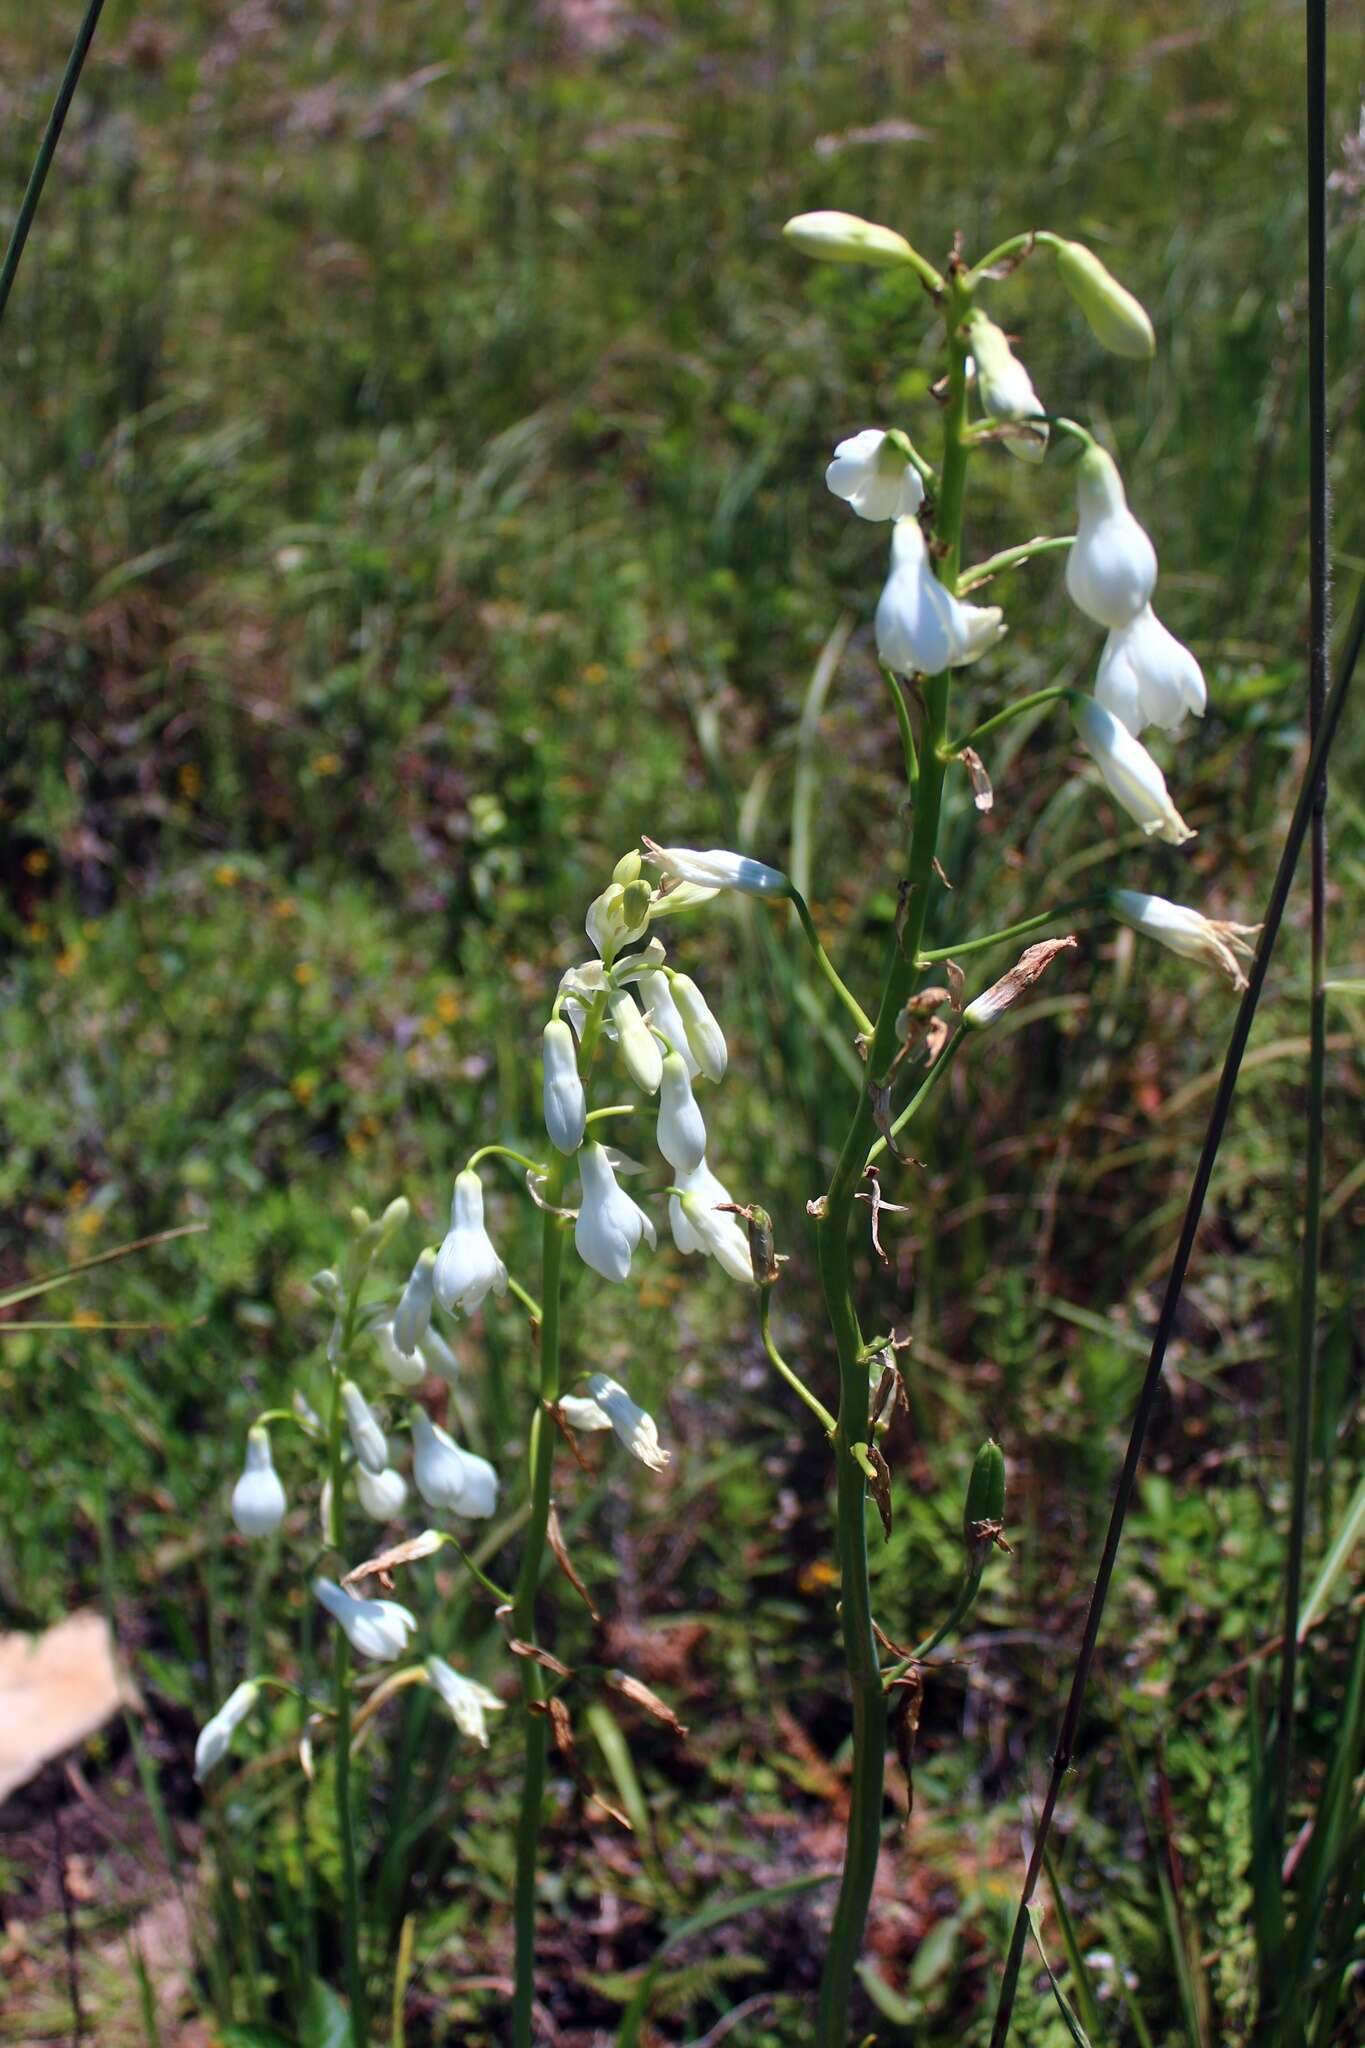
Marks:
<point>860,1643</point>
<point>47,149</point>
<point>341,1667</point>
<point>537,1729</point>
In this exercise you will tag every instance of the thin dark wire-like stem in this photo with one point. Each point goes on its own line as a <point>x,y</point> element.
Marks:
<point>1189,1230</point>
<point>47,149</point>
<point>1305,1377</point>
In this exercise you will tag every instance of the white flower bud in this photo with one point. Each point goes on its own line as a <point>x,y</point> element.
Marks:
<point>215,1737</point>
<point>1005,387</point>
<point>639,1047</point>
<point>704,1034</point>
<point>376,1628</point>
<point>467,1700</point>
<point>718,868</point>
<point>1188,932</point>
<point>922,628</point>
<point>566,1108</point>
<point>870,473</point>
<point>699,1224</point>
<point>367,1438</point>
<point>383,1495</point>
<point>1148,677</point>
<point>1133,778</point>
<point>846,238</point>
<point>448,1477</point>
<point>614,919</point>
<point>1118,321</point>
<point>467,1267</point>
<point>409,1372</point>
<point>1111,565</point>
<point>665,1017</point>
<point>607,1405</point>
<point>681,1132</point>
<point>412,1317</point>
<point>610,1225</point>
<point>258,1501</point>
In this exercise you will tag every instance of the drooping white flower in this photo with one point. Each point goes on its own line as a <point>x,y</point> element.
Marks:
<point>383,1495</point>
<point>922,628</point>
<point>870,472</point>
<point>610,1225</point>
<point>1188,932</point>
<point>1111,564</point>
<point>640,1049</point>
<point>258,1501</point>
<point>467,1266</point>
<point>467,1700</point>
<point>376,1628</point>
<point>412,1317</point>
<point>1005,387</point>
<point>1148,677</point>
<point>704,1034</point>
<point>566,1109</point>
<point>681,1132</point>
<point>215,1737</point>
<point>715,867</point>
<point>367,1438</point>
<point>607,1405</point>
<point>1133,778</point>
<point>448,1476</point>
<point>409,1372</point>
<point>700,1224</point>
<point>656,994</point>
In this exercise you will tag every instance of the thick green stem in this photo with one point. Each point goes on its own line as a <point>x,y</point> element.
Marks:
<point>341,1667</point>
<point>537,1729</point>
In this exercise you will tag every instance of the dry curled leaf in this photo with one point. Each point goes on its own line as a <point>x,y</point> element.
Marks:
<point>1033,961</point>
<point>907,1702</point>
<point>561,1550</point>
<point>383,1566</point>
<point>880,1487</point>
<point>983,796</point>
<point>632,1689</point>
<point>957,981</point>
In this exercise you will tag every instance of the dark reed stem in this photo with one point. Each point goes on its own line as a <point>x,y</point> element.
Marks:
<point>47,149</point>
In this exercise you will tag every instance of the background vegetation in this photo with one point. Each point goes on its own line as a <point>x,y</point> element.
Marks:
<point>413,440</point>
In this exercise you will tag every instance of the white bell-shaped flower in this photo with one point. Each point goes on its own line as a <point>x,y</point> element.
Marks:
<point>1131,775</point>
<point>700,1224</point>
<point>1188,932</point>
<point>412,1317</point>
<point>681,1132</point>
<point>438,1357</point>
<point>640,1049</point>
<point>656,993</point>
<point>922,628</point>
<point>258,1501</point>
<point>1111,564</point>
<point>408,1372</point>
<point>467,1700</point>
<point>870,472</point>
<point>375,1628</point>
<point>1148,677</point>
<point>607,1405</point>
<point>449,1477</point>
<point>715,867</point>
<point>367,1438</point>
<point>566,1108</point>
<point>215,1737</point>
<point>467,1267</point>
<point>1005,387</point>
<point>610,1225</point>
<point>383,1495</point>
<point>704,1034</point>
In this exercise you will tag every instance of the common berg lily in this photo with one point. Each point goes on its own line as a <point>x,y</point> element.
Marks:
<point>700,1224</point>
<point>1111,564</point>
<point>367,1438</point>
<point>467,1267</point>
<point>610,1225</point>
<point>922,628</point>
<point>383,1495</point>
<point>1005,387</point>
<point>1131,775</point>
<point>717,868</point>
<point>644,1061</point>
<point>704,1034</point>
<point>215,1737</point>
<point>1148,677</point>
<point>1187,932</point>
<point>258,1501</point>
<point>467,1700</point>
<point>449,1477</point>
<point>870,472</point>
<point>412,1317</point>
<point>566,1109</point>
<point>607,1405</point>
<point>681,1133</point>
<point>376,1628</point>
<point>666,1018</point>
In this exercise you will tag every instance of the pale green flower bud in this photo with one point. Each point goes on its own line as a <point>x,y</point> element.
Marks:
<point>1005,387</point>
<point>627,869</point>
<point>704,1034</point>
<point>846,238</point>
<point>367,1438</point>
<point>1117,320</point>
<point>611,924</point>
<point>639,1047</point>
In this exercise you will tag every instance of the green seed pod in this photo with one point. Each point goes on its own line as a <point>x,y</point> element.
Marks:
<point>1118,321</point>
<point>985,1507</point>
<point>761,1248</point>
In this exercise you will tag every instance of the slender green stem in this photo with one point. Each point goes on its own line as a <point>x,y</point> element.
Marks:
<point>826,965</point>
<point>962,1606</point>
<point>537,1733</point>
<point>341,1669</point>
<point>797,1385</point>
<point>618,1109</point>
<point>1014,931</point>
<point>528,1301</point>
<point>535,1166</point>
<point>926,1088</point>
<point>1010,558</point>
<point>952,748</point>
<point>1014,245</point>
<point>47,149</point>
